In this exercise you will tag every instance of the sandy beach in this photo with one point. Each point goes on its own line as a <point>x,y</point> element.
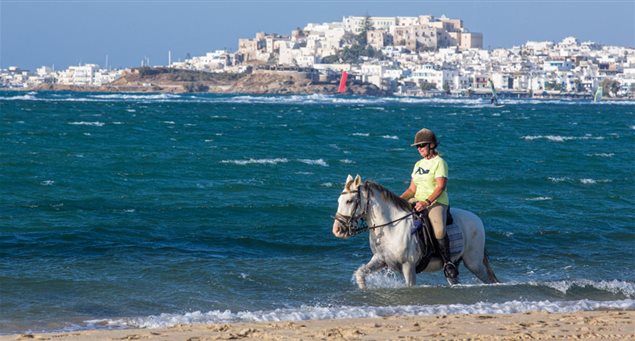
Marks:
<point>589,325</point>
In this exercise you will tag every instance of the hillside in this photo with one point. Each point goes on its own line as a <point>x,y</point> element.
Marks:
<point>256,82</point>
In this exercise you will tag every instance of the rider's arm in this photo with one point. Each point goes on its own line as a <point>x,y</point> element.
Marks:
<point>410,192</point>
<point>438,189</point>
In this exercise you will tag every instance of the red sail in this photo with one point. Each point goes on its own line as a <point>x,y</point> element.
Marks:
<point>343,82</point>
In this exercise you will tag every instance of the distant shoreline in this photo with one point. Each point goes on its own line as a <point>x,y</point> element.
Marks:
<point>359,91</point>
<point>276,82</point>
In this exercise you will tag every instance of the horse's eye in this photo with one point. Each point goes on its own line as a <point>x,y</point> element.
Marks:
<point>349,201</point>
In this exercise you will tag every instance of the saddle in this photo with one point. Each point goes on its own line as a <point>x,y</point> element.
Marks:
<point>425,235</point>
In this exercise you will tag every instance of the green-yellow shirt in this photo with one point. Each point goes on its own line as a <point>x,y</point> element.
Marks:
<point>424,175</point>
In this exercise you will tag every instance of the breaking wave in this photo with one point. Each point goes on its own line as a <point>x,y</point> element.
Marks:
<point>345,312</point>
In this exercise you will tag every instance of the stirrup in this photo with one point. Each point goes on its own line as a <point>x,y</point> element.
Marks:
<point>450,271</point>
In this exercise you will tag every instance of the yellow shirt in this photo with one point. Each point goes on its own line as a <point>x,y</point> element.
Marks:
<point>424,175</point>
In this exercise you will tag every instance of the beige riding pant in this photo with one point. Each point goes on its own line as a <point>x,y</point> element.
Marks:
<point>438,213</point>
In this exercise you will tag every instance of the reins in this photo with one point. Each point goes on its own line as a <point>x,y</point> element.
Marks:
<point>352,222</point>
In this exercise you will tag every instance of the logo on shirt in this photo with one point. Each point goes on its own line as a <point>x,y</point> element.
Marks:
<point>421,171</point>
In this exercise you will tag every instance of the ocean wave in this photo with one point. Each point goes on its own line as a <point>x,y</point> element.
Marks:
<point>298,99</point>
<point>135,97</point>
<point>26,97</point>
<point>83,123</point>
<point>346,312</point>
<point>538,198</point>
<point>257,161</point>
<point>602,154</point>
<point>594,181</point>
<point>318,162</point>
<point>615,287</point>
<point>559,179</point>
<point>558,138</point>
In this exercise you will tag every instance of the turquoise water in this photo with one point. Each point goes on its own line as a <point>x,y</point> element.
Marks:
<point>126,210</point>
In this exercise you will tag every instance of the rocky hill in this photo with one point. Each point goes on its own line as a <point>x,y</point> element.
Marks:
<point>256,82</point>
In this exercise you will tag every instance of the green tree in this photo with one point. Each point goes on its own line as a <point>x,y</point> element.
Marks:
<point>610,86</point>
<point>426,86</point>
<point>358,45</point>
<point>446,87</point>
<point>555,86</point>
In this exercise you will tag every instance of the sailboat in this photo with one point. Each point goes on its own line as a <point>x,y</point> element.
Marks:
<point>598,95</point>
<point>494,99</point>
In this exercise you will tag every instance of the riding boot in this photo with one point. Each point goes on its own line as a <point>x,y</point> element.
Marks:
<point>449,269</point>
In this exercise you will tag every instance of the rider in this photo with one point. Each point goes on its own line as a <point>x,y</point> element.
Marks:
<point>428,187</point>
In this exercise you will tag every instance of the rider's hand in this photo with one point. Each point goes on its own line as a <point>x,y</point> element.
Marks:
<point>420,205</point>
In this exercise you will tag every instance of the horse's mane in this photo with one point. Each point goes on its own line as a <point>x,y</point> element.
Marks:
<point>390,196</point>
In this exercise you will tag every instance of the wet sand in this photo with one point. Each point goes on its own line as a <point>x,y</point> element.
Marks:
<point>591,325</point>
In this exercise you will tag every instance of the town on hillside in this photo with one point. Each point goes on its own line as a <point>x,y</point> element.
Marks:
<point>411,56</point>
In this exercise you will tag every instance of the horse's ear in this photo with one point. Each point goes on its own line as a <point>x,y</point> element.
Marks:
<point>349,182</point>
<point>358,180</point>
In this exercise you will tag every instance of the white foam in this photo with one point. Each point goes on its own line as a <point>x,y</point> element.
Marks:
<point>602,154</point>
<point>538,199</point>
<point>318,162</point>
<point>593,181</point>
<point>391,137</point>
<point>560,179</point>
<point>123,96</point>
<point>345,312</point>
<point>26,97</point>
<point>614,286</point>
<point>346,161</point>
<point>360,134</point>
<point>47,182</point>
<point>257,161</point>
<point>558,138</point>
<point>83,123</point>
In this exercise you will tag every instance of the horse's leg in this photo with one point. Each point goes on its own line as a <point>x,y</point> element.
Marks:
<point>374,264</point>
<point>481,268</point>
<point>409,273</point>
<point>490,273</point>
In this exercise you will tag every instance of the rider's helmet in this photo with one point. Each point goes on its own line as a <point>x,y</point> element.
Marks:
<point>426,136</point>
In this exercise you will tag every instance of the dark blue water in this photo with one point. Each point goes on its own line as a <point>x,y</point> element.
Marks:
<point>122,210</point>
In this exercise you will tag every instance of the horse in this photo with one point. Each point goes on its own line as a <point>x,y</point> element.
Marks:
<point>389,220</point>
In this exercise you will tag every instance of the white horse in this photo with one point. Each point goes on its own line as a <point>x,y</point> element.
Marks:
<point>389,221</point>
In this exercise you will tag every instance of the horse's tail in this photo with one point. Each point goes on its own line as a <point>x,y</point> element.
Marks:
<point>490,273</point>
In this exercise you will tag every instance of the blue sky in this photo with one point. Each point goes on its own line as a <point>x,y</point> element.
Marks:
<point>69,32</point>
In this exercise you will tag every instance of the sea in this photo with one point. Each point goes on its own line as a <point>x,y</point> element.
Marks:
<point>122,210</point>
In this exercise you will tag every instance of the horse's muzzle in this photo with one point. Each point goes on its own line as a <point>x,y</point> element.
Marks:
<point>338,231</point>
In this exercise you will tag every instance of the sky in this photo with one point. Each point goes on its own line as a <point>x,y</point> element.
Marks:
<point>60,33</point>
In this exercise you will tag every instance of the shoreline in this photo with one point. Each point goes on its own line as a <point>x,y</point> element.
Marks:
<point>177,91</point>
<point>586,325</point>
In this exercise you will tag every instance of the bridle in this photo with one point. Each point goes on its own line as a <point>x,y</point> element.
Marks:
<point>356,223</point>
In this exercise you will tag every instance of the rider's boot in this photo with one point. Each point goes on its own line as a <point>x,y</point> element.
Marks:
<point>450,270</point>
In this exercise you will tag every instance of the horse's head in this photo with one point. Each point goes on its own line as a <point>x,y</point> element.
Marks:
<point>349,209</point>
